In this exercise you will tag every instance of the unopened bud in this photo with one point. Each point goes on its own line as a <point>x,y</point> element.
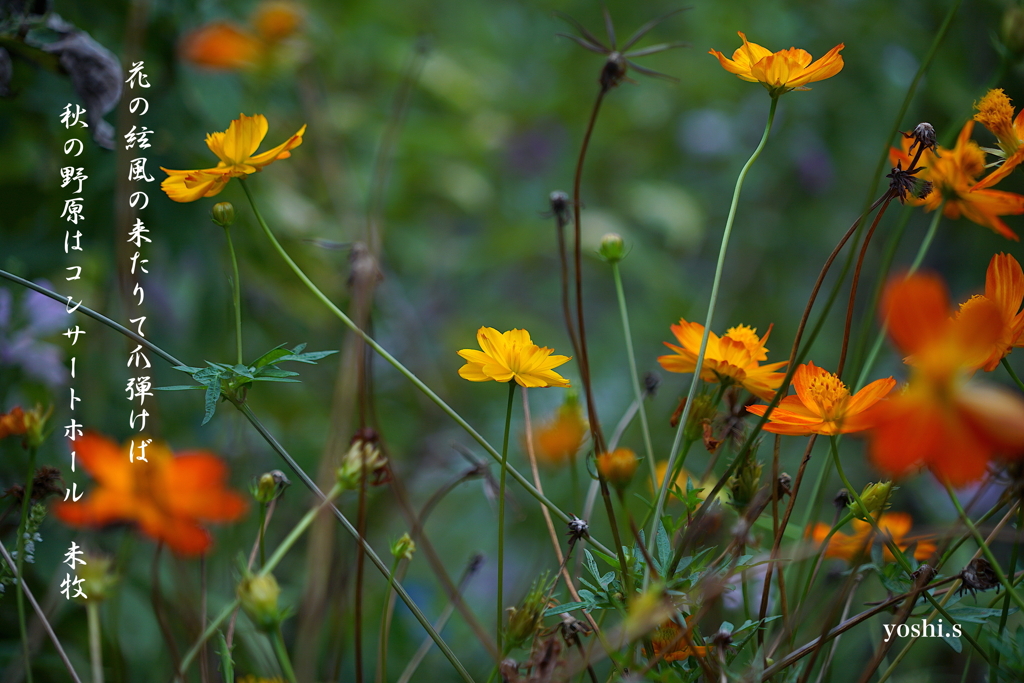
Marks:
<point>403,548</point>
<point>876,497</point>
<point>269,486</point>
<point>98,577</point>
<point>618,467</point>
<point>258,594</point>
<point>363,458</point>
<point>526,619</point>
<point>744,485</point>
<point>223,214</point>
<point>612,248</point>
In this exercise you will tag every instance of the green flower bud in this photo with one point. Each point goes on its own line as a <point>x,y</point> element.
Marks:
<point>876,497</point>
<point>362,458</point>
<point>223,214</point>
<point>524,621</point>
<point>99,577</point>
<point>612,248</point>
<point>269,486</point>
<point>403,548</point>
<point>258,594</point>
<point>745,484</point>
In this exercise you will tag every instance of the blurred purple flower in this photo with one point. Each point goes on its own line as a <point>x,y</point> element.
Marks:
<point>37,316</point>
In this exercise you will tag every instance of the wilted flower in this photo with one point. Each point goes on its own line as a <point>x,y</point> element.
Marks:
<point>734,358</point>
<point>511,355</point>
<point>236,149</point>
<point>780,71</point>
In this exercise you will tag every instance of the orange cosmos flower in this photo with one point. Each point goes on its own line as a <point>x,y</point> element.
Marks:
<point>557,441</point>
<point>236,149</point>
<point>668,634</point>
<point>1004,286</point>
<point>996,113</point>
<point>733,358</point>
<point>168,497</point>
<point>896,525</point>
<point>276,20</point>
<point>222,45</point>
<point>940,420</point>
<point>780,71</point>
<point>511,355</point>
<point>954,177</point>
<point>822,404</point>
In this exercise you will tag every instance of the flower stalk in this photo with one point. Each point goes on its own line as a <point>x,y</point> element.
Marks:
<point>501,513</point>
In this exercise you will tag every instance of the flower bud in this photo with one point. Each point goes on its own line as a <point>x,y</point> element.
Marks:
<point>99,577</point>
<point>258,594</point>
<point>876,497</point>
<point>35,425</point>
<point>362,459</point>
<point>618,467</point>
<point>403,548</point>
<point>269,486</point>
<point>612,248</point>
<point>744,485</point>
<point>526,619</point>
<point>223,214</point>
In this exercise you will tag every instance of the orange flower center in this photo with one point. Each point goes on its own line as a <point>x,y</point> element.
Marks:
<point>829,392</point>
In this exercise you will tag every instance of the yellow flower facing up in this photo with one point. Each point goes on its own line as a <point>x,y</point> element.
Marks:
<point>780,71</point>
<point>995,112</point>
<point>512,355</point>
<point>733,358</point>
<point>236,148</point>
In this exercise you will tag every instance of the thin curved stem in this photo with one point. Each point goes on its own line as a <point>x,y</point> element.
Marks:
<point>720,266</point>
<point>282,655</point>
<point>637,391</point>
<point>236,290</point>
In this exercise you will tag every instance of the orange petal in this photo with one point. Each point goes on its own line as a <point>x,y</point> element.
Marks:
<point>916,310</point>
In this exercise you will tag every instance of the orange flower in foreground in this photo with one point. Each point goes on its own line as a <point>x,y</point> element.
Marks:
<point>996,113</point>
<point>13,423</point>
<point>734,358</point>
<point>780,71</point>
<point>668,634</point>
<point>822,404</point>
<point>940,420</point>
<point>954,176</point>
<point>222,45</point>
<point>1004,286</point>
<point>896,525</point>
<point>167,497</point>
<point>236,148</point>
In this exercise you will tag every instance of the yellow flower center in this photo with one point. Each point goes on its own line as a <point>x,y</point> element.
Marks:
<point>747,336</point>
<point>996,113</point>
<point>829,392</point>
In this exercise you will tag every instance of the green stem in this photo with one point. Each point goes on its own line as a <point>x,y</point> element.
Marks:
<point>236,286</point>
<point>869,362</point>
<point>501,510</point>
<point>92,611</point>
<point>637,391</point>
<point>282,654</point>
<point>1010,591</point>
<point>663,489</point>
<point>405,372</point>
<point>263,523</point>
<point>994,669</point>
<point>297,531</point>
<point>26,504</point>
<point>1013,375</point>
<point>385,624</point>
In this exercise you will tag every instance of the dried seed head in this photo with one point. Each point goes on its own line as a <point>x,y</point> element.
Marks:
<point>785,484</point>
<point>614,71</point>
<point>577,529</point>
<point>560,207</point>
<point>923,136</point>
<point>978,576</point>
<point>651,382</point>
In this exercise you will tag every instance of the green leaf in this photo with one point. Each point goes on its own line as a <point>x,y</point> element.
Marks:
<point>952,642</point>
<point>179,387</point>
<point>588,559</point>
<point>185,368</point>
<point>276,379</point>
<point>271,371</point>
<point>311,357</point>
<point>567,607</point>
<point>271,356</point>
<point>212,396</point>
<point>976,615</point>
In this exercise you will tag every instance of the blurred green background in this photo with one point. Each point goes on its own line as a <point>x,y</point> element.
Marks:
<point>493,125</point>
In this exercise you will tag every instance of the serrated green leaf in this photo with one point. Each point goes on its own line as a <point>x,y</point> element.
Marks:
<point>271,356</point>
<point>212,396</point>
<point>271,371</point>
<point>276,379</point>
<point>588,560</point>
<point>312,357</point>
<point>186,368</point>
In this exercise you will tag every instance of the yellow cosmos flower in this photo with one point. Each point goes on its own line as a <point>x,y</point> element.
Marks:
<point>733,358</point>
<point>236,149</point>
<point>995,112</point>
<point>511,355</point>
<point>780,71</point>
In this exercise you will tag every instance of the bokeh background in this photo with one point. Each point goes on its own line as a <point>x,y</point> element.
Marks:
<point>492,124</point>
